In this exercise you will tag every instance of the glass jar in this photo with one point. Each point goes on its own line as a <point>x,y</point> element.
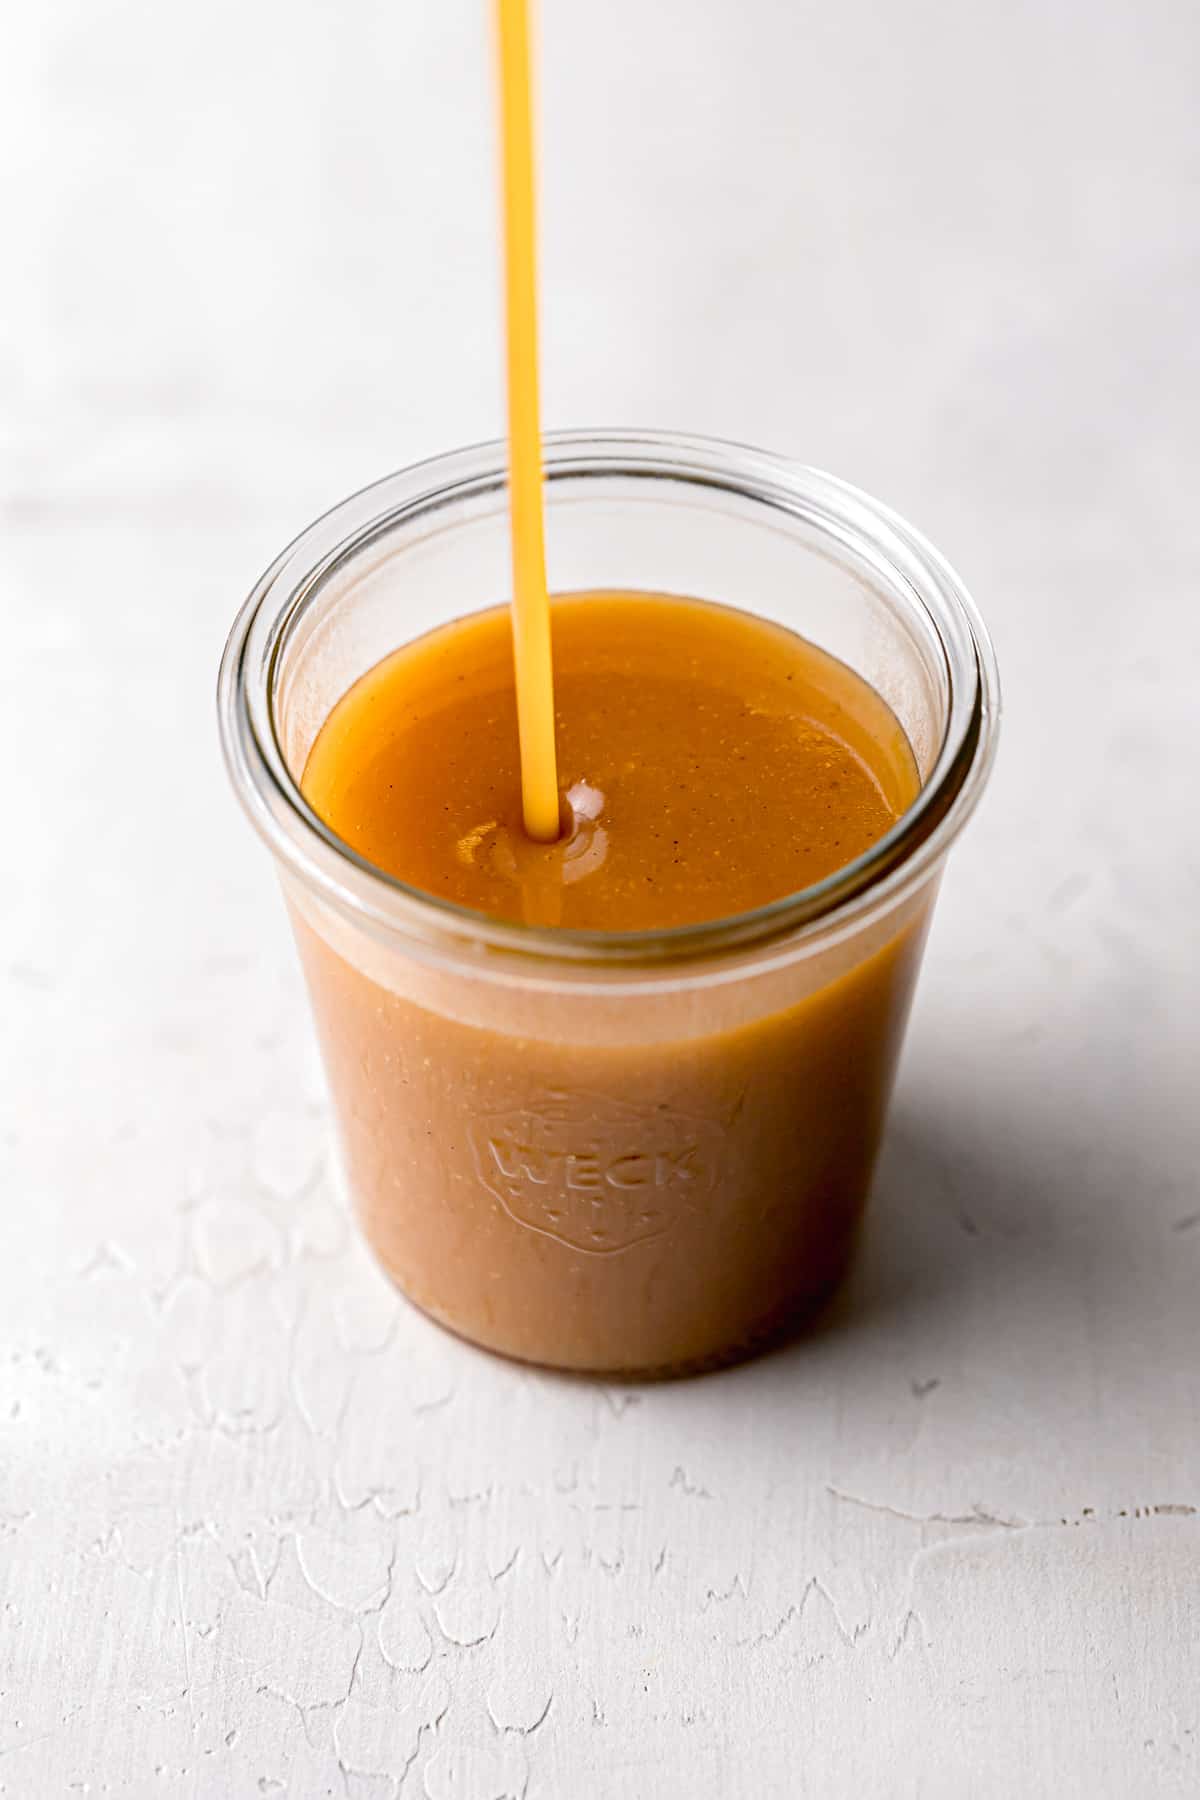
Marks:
<point>645,1152</point>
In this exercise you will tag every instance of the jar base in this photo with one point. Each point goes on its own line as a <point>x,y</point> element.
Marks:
<point>770,1334</point>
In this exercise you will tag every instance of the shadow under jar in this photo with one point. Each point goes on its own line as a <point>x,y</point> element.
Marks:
<point>635,1153</point>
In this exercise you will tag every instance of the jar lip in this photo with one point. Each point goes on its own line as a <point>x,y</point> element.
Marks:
<point>895,864</point>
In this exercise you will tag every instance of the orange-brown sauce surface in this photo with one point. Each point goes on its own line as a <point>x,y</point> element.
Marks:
<point>711,762</point>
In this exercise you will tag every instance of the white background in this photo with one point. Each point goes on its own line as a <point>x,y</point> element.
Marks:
<point>264,1530</point>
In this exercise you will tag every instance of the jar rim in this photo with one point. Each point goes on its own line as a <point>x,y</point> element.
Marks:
<point>881,876</point>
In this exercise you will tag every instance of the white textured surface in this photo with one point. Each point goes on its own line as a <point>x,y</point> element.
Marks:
<point>265,1531</point>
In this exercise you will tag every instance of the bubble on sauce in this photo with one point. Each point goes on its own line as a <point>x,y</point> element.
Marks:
<point>585,849</point>
<point>584,801</point>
